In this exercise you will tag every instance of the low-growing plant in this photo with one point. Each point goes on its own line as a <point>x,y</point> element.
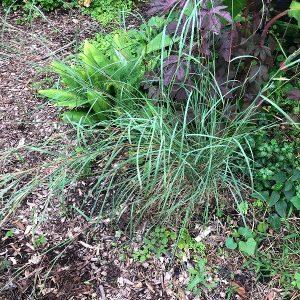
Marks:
<point>242,239</point>
<point>46,5</point>
<point>108,76</point>
<point>32,9</point>
<point>98,86</point>
<point>156,243</point>
<point>107,11</point>
<point>296,282</point>
<point>162,241</point>
<point>198,277</point>
<point>278,173</point>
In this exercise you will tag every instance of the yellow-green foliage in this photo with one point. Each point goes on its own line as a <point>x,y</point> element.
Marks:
<point>107,11</point>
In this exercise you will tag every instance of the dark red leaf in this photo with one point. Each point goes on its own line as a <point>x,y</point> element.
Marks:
<point>294,94</point>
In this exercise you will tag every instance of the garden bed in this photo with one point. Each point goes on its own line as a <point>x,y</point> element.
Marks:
<point>52,248</point>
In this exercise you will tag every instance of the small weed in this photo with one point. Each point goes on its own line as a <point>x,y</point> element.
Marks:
<point>40,241</point>
<point>296,282</point>
<point>278,174</point>
<point>163,241</point>
<point>9,233</point>
<point>198,276</point>
<point>157,243</point>
<point>243,239</point>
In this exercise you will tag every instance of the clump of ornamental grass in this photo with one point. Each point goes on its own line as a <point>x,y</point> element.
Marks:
<point>164,158</point>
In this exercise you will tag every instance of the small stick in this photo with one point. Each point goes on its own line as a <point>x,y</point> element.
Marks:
<point>103,297</point>
<point>270,24</point>
<point>57,50</point>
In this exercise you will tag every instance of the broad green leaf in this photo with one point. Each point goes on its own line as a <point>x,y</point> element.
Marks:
<point>230,243</point>
<point>274,221</point>
<point>288,185</point>
<point>248,247</point>
<point>275,196</point>
<point>98,103</point>
<point>93,58</point>
<point>263,196</point>
<point>294,11</point>
<point>262,227</point>
<point>79,116</point>
<point>71,76</point>
<point>296,175</point>
<point>245,232</point>
<point>296,202</point>
<point>161,40</point>
<point>235,6</point>
<point>281,208</point>
<point>63,98</point>
<point>296,282</point>
<point>279,177</point>
<point>243,207</point>
<point>290,193</point>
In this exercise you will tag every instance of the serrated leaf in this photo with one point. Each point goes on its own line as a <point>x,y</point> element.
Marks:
<point>296,202</point>
<point>262,227</point>
<point>211,19</point>
<point>243,207</point>
<point>248,247</point>
<point>230,243</point>
<point>281,208</point>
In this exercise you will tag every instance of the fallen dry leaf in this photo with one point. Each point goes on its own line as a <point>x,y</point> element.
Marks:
<point>239,289</point>
<point>87,3</point>
<point>19,225</point>
<point>151,289</point>
<point>271,296</point>
<point>181,294</point>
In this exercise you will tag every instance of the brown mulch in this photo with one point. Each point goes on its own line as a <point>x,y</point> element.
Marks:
<point>24,52</point>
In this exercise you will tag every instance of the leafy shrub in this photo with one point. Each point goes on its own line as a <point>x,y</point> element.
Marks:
<point>46,5</point>
<point>107,11</point>
<point>278,172</point>
<point>96,87</point>
<point>244,55</point>
<point>104,11</point>
<point>108,75</point>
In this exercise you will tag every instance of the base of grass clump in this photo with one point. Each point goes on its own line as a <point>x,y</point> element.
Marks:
<point>154,164</point>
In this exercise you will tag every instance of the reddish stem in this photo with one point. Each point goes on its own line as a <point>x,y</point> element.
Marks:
<point>270,24</point>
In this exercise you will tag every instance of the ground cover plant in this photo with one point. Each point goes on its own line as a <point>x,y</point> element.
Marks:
<point>177,123</point>
<point>105,12</point>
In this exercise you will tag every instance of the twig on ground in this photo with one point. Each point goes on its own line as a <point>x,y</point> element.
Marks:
<point>58,50</point>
